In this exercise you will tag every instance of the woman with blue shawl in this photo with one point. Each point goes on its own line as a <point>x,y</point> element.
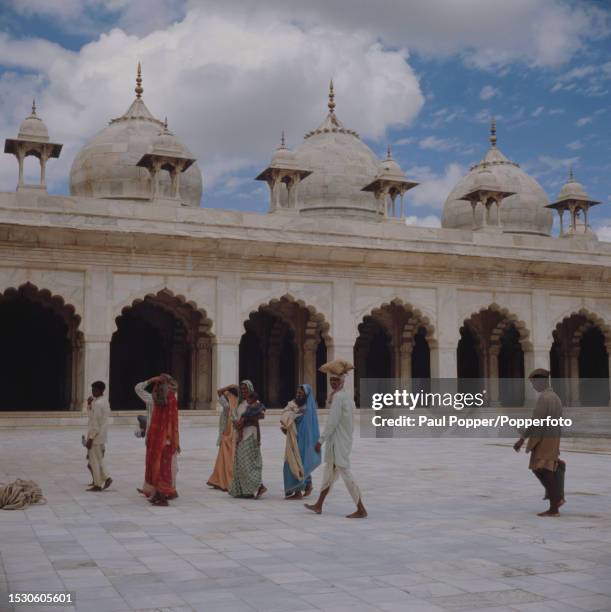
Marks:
<point>299,421</point>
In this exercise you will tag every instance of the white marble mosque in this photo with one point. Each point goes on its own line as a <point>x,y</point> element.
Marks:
<point>129,275</point>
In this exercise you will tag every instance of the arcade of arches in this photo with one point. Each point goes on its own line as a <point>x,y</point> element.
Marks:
<point>284,344</point>
<point>393,342</point>
<point>42,351</point>
<point>161,334</point>
<point>490,348</point>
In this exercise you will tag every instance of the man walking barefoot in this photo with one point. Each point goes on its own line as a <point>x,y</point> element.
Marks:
<point>544,442</point>
<point>337,438</point>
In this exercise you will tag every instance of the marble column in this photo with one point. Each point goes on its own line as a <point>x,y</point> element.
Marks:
<point>493,375</point>
<point>405,365</point>
<point>574,377</point>
<point>177,366</point>
<point>77,389</point>
<point>226,360</point>
<point>447,334</point>
<point>443,362</point>
<point>309,363</point>
<point>273,374</point>
<point>201,375</point>
<point>96,352</point>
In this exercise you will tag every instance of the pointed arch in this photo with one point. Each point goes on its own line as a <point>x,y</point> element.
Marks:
<point>492,346</point>
<point>285,341</point>
<point>41,350</point>
<point>579,358</point>
<point>161,332</point>
<point>394,341</point>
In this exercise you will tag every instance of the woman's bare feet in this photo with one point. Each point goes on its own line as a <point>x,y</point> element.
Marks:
<point>548,513</point>
<point>314,508</point>
<point>308,491</point>
<point>261,491</point>
<point>296,495</point>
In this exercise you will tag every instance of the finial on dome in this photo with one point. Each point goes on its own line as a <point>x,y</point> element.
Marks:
<point>139,89</point>
<point>493,132</point>
<point>331,98</point>
<point>388,152</point>
<point>571,175</point>
<point>165,123</point>
<point>282,141</point>
<point>34,107</point>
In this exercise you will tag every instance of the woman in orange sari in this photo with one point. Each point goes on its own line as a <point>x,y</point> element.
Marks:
<point>223,468</point>
<point>162,441</point>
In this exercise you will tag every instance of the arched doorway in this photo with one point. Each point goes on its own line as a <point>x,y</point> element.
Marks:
<point>283,345</point>
<point>491,352</point>
<point>579,359</point>
<point>394,342</point>
<point>161,333</point>
<point>40,351</point>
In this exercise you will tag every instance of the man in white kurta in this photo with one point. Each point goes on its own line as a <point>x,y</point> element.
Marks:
<point>97,435</point>
<point>337,438</point>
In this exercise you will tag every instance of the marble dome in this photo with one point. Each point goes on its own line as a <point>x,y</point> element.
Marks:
<point>33,128</point>
<point>341,164</point>
<point>523,213</point>
<point>106,165</point>
<point>572,190</point>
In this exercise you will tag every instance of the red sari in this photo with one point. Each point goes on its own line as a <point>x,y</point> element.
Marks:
<point>162,443</point>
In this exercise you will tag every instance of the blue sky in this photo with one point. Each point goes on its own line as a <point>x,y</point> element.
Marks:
<point>425,77</point>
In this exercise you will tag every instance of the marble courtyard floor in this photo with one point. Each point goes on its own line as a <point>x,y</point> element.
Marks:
<point>452,526</point>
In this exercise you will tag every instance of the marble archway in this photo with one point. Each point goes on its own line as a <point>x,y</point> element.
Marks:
<point>394,341</point>
<point>579,358</point>
<point>492,347</point>
<point>283,345</point>
<point>41,351</point>
<point>161,333</point>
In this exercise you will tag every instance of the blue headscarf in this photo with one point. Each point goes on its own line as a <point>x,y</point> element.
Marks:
<point>308,435</point>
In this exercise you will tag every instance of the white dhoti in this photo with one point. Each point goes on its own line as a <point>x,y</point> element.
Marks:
<point>96,462</point>
<point>330,476</point>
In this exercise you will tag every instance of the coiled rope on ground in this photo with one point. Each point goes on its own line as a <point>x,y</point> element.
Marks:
<point>20,494</point>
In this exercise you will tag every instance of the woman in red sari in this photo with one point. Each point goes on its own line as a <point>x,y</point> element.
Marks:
<point>162,441</point>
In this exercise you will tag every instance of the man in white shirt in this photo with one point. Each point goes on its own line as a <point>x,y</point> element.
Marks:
<point>337,438</point>
<point>97,434</point>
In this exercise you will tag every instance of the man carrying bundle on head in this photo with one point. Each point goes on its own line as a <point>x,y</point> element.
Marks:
<point>337,438</point>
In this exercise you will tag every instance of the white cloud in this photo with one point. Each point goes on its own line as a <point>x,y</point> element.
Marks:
<point>433,143</point>
<point>428,221</point>
<point>228,86</point>
<point>487,92</point>
<point>575,145</point>
<point>537,111</point>
<point>589,80</point>
<point>486,33</point>
<point>404,141</point>
<point>603,231</point>
<point>86,16</point>
<point>583,121</point>
<point>558,162</point>
<point>434,188</point>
